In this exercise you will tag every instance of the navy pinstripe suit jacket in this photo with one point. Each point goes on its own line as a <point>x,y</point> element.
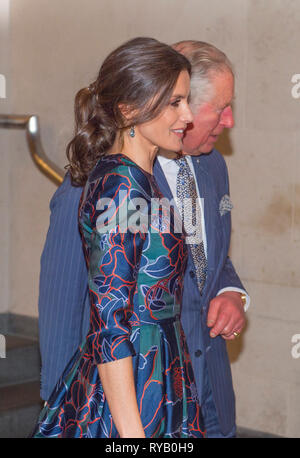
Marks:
<point>64,303</point>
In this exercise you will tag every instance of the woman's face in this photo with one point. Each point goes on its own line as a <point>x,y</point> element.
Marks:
<point>167,129</point>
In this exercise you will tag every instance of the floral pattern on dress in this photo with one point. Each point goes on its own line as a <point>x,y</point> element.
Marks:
<point>135,284</point>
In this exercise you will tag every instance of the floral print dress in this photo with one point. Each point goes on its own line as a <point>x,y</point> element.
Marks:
<point>136,264</point>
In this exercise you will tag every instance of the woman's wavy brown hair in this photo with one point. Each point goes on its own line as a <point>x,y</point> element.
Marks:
<point>139,75</point>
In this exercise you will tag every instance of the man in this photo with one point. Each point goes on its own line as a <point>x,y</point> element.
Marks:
<point>210,315</point>
<point>217,313</point>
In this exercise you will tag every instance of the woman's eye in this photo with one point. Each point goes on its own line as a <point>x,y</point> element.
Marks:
<point>175,103</point>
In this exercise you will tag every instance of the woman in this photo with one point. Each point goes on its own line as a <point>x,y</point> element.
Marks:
<point>132,375</point>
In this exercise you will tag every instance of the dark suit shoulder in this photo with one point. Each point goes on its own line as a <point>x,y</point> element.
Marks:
<point>214,164</point>
<point>215,160</point>
<point>66,194</point>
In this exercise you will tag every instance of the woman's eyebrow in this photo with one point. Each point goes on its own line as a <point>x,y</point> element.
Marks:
<point>178,96</point>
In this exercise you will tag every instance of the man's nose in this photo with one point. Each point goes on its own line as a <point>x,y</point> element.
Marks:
<point>227,119</point>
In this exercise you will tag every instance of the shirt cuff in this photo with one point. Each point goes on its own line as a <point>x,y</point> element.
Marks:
<point>237,290</point>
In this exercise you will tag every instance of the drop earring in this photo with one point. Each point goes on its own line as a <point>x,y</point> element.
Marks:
<point>132,132</point>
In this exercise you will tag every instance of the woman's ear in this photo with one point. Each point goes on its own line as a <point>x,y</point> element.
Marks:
<point>127,112</point>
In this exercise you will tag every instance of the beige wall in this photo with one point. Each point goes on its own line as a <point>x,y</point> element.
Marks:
<point>5,106</point>
<point>56,47</point>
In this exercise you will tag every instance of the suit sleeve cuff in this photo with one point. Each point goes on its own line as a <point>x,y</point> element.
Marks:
<point>237,290</point>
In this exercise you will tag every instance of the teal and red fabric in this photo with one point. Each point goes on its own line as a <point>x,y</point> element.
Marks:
<point>135,284</point>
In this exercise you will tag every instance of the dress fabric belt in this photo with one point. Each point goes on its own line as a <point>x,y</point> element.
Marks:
<point>171,319</point>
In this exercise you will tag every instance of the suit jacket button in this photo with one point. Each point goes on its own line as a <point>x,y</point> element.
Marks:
<point>198,353</point>
<point>192,273</point>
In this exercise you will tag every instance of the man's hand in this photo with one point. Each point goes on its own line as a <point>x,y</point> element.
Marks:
<point>226,315</point>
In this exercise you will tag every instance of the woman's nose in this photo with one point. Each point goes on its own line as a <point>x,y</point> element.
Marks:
<point>187,115</point>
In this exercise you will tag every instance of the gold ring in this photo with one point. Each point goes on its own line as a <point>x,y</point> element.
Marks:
<point>236,334</point>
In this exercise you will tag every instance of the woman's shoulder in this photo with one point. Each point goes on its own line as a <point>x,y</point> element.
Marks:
<point>117,173</point>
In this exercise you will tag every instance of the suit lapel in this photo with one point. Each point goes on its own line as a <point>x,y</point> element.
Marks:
<point>161,180</point>
<point>213,228</point>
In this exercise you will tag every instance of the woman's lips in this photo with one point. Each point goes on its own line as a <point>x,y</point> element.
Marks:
<point>178,132</point>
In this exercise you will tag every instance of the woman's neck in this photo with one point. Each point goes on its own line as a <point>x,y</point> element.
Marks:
<point>137,149</point>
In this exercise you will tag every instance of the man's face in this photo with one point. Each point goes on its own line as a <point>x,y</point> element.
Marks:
<point>212,117</point>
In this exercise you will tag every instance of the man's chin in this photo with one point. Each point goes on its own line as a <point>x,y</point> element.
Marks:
<point>207,148</point>
<point>199,151</point>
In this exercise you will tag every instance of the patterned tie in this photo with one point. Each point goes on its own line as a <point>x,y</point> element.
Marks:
<point>187,199</point>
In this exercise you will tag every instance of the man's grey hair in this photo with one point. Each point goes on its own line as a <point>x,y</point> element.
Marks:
<point>206,60</point>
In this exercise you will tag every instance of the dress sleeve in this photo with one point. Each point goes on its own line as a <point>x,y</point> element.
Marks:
<point>114,249</point>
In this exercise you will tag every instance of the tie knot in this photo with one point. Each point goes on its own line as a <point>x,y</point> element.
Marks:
<point>182,162</point>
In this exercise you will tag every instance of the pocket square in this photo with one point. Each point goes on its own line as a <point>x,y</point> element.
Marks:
<point>225,205</point>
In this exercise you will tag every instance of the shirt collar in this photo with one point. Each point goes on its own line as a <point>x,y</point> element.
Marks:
<point>167,160</point>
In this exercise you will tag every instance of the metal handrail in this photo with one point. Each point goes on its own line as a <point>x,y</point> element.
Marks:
<point>31,124</point>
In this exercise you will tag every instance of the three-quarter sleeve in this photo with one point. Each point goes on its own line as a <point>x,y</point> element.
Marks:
<point>114,249</point>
